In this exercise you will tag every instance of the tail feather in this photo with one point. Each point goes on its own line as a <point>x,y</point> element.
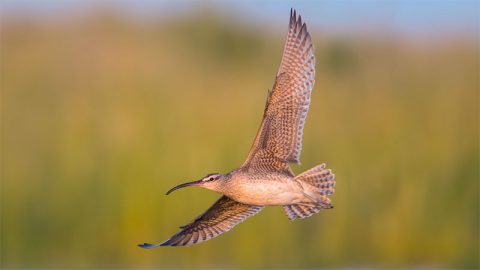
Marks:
<point>318,183</point>
<point>301,211</point>
<point>319,177</point>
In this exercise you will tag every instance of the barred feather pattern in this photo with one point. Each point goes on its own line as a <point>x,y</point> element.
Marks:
<point>301,211</point>
<point>321,181</point>
<point>221,217</point>
<point>279,139</point>
<point>319,177</point>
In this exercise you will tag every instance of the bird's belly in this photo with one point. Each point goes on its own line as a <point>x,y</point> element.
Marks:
<point>267,193</point>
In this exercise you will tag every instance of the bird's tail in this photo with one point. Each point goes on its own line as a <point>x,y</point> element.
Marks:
<point>318,183</point>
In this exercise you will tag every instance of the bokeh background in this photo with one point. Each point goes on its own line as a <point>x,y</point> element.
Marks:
<point>105,106</point>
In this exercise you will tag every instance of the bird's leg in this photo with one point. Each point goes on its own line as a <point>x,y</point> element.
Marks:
<point>304,204</point>
<point>316,201</point>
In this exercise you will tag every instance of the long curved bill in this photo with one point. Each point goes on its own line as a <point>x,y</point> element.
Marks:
<point>194,183</point>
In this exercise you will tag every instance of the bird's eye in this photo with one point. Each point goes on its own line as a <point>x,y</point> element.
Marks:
<point>208,179</point>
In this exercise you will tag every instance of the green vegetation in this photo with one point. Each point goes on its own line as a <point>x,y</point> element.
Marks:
<point>101,116</point>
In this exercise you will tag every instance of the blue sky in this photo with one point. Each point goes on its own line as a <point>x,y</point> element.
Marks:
<point>412,18</point>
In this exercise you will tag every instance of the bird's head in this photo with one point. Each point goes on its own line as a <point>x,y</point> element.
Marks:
<point>210,181</point>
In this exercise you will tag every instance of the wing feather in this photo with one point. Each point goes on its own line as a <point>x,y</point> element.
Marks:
<point>279,139</point>
<point>221,217</point>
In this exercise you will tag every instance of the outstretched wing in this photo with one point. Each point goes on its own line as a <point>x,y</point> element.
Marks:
<point>222,216</point>
<point>279,139</point>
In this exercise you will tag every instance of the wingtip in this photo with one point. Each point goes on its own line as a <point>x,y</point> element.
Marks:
<point>304,29</point>
<point>292,19</point>
<point>147,245</point>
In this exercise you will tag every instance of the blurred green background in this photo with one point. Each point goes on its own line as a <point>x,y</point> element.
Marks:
<point>104,108</point>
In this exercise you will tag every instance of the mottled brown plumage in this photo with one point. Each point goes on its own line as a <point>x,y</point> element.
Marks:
<point>265,178</point>
<point>223,215</point>
<point>279,139</point>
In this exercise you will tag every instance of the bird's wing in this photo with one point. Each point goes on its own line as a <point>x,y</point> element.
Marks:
<point>279,139</point>
<point>222,216</point>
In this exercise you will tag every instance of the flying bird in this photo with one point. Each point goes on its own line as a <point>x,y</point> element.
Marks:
<point>265,178</point>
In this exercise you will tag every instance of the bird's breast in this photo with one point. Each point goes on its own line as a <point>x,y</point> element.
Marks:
<point>265,191</point>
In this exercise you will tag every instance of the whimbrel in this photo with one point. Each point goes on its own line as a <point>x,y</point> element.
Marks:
<point>265,178</point>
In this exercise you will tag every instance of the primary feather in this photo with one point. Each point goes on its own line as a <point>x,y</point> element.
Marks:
<point>279,139</point>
